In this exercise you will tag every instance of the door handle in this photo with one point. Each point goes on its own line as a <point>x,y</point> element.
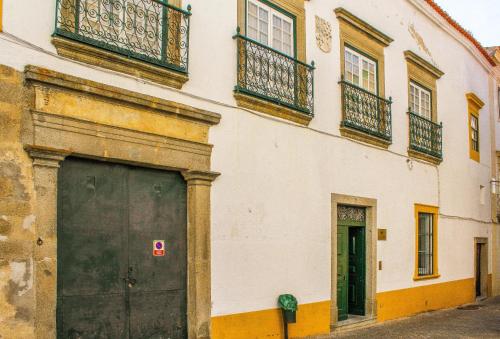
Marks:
<point>130,281</point>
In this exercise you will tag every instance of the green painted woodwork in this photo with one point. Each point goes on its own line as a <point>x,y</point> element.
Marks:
<point>282,11</point>
<point>109,283</point>
<point>268,74</point>
<point>351,261</point>
<point>356,281</point>
<point>357,50</point>
<point>365,111</point>
<point>425,136</point>
<point>149,30</point>
<point>342,271</point>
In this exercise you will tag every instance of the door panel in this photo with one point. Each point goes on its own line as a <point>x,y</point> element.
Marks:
<point>93,317</point>
<point>342,271</point>
<point>155,315</point>
<point>357,270</point>
<point>157,212</point>
<point>108,217</point>
<point>91,253</point>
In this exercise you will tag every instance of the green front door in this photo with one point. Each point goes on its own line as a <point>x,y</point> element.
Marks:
<point>350,261</point>
<point>356,270</point>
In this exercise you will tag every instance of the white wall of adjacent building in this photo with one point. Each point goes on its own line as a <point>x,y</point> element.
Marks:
<point>271,207</point>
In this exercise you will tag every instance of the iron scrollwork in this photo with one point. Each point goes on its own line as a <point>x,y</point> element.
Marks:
<point>148,30</point>
<point>351,213</point>
<point>274,76</point>
<point>425,136</point>
<point>365,111</point>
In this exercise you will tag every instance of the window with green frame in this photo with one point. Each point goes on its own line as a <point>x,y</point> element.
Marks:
<point>360,70</point>
<point>420,100</point>
<point>271,27</point>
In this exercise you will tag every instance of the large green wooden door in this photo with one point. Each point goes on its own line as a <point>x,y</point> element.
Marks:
<point>351,222</point>
<point>109,283</point>
<point>357,270</point>
<point>342,271</point>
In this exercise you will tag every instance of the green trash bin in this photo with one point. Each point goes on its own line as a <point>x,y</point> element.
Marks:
<point>288,305</point>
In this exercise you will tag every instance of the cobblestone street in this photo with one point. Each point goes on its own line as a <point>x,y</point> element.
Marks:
<point>481,321</point>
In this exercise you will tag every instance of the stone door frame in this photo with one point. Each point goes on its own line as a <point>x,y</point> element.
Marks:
<point>370,258</point>
<point>484,266</point>
<point>50,137</point>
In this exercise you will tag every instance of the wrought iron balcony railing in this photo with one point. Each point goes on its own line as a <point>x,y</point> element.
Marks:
<point>148,30</point>
<point>268,74</point>
<point>425,136</point>
<point>365,111</point>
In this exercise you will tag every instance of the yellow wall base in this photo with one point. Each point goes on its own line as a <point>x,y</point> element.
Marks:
<point>312,319</point>
<point>406,302</point>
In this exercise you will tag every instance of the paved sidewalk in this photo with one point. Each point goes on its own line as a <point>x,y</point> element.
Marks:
<point>483,322</point>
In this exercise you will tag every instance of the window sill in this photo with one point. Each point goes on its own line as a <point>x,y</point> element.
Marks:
<point>95,56</point>
<point>475,156</point>
<point>279,111</point>
<point>424,156</point>
<point>357,135</point>
<point>426,277</point>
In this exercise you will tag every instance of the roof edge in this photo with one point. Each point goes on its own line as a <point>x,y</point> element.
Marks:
<point>461,30</point>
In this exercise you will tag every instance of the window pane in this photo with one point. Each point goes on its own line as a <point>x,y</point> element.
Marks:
<point>412,98</point>
<point>263,26</point>
<point>287,49</point>
<point>277,32</point>
<point>252,21</point>
<point>475,133</point>
<point>372,78</point>
<point>355,69</point>
<point>287,39</point>
<point>365,74</point>
<point>252,8</point>
<point>369,72</point>
<point>287,27</point>
<point>348,66</point>
<point>416,101</point>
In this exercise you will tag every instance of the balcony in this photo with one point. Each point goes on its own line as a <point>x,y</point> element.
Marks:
<point>151,32</point>
<point>425,138</point>
<point>365,116</point>
<point>270,76</point>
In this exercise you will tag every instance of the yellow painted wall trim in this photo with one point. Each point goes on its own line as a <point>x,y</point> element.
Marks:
<point>410,301</point>
<point>474,101</point>
<point>369,30</point>
<point>312,319</point>
<point>426,277</point>
<point>420,62</point>
<point>419,208</point>
<point>474,105</point>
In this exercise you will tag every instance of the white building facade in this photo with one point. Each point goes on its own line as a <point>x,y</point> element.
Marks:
<point>355,142</point>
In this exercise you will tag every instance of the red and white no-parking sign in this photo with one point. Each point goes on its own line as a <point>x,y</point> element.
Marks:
<point>159,248</point>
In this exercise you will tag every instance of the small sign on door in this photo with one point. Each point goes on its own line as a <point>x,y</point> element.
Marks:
<point>159,248</point>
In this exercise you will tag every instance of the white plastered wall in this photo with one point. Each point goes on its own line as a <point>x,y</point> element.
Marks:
<point>271,205</point>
